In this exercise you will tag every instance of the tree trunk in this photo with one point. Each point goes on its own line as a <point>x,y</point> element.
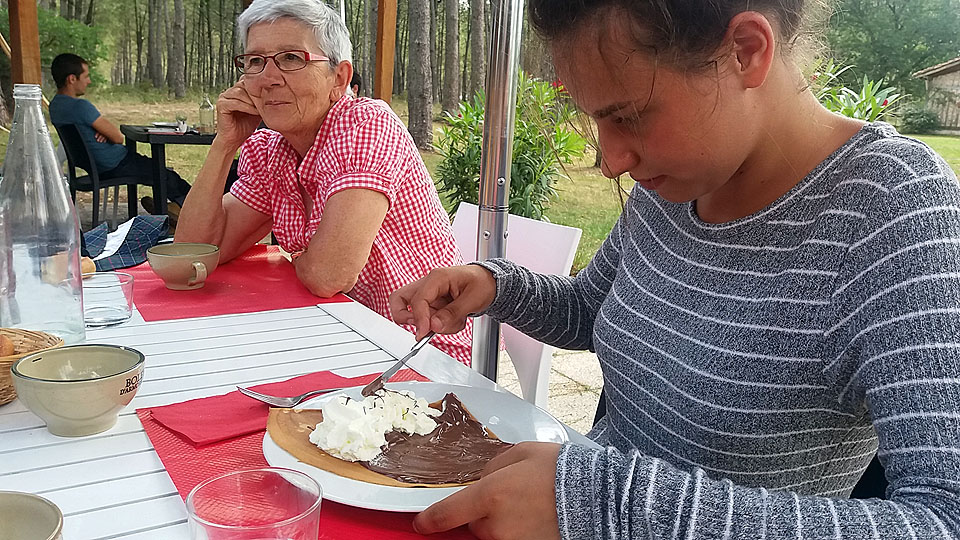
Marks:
<point>88,19</point>
<point>211,60</point>
<point>221,63</point>
<point>138,39</point>
<point>400,65</point>
<point>4,117</point>
<point>478,48</point>
<point>434,54</point>
<point>419,92</point>
<point>168,41</point>
<point>371,62</point>
<point>178,56</point>
<point>451,56</point>
<point>65,9</point>
<point>76,7</point>
<point>154,52</point>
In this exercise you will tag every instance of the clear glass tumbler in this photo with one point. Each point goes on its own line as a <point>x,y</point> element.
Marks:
<point>107,298</point>
<point>255,504</point>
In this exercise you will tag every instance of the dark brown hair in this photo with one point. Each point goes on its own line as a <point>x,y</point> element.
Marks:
<point>64,65</point>
<point>685,33</point>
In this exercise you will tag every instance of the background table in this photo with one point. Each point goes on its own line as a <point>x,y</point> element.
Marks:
<point>113,485</point>
<point>158,142</point>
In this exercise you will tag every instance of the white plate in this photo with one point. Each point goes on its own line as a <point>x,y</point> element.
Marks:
<point>509,417</point>
<point>165,124</point>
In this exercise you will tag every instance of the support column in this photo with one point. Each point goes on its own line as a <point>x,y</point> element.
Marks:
<point>25,42</point>
<point>503,64</point>
<point>386,49</point>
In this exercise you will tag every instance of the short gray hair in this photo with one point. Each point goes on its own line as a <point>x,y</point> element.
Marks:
<point>330,31</point>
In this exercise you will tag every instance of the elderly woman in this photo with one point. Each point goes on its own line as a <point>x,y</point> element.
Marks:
<point>337,179</point>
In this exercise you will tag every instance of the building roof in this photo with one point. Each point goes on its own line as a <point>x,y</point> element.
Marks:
<point>940,69</point>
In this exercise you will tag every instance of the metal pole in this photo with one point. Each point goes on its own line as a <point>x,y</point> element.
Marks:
<point>496,157</point>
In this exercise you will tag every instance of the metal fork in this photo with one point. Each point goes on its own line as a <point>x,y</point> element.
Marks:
<point>284,402</point>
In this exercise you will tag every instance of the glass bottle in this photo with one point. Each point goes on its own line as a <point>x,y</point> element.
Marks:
<point>40,287</point>
<point>208,116</point>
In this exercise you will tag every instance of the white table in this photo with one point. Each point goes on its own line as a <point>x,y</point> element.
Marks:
<point>113,485</point>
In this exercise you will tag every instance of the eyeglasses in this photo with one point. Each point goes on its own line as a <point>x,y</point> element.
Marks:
<point>251,64</point>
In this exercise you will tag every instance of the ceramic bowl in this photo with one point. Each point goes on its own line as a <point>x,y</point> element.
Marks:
<point>183,266</point>
<point>78,390</point>
<point>29,517</point>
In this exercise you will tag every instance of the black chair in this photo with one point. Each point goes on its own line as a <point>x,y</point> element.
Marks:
<point>78,155</point>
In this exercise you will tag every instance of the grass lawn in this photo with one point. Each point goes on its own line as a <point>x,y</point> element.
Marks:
<point>586,199</point>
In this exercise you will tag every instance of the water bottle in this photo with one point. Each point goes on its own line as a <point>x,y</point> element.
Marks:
<point>40,287</point>
<point>208,116</point>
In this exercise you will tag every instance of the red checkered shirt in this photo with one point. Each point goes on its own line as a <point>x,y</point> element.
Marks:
<point>361,144</point>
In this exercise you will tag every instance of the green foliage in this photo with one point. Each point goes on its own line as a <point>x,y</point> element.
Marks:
<point>892,39</point>
<point>918,120</point>
<point>543,142</point>
<point>872,102</point>
<point>59,35</point>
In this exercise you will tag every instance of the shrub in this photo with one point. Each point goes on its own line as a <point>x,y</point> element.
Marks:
<point>543,141</point>
<point>872,102</point>
<point>917,119</point>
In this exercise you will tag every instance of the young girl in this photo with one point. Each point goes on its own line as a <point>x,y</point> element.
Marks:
<point>779,300</point>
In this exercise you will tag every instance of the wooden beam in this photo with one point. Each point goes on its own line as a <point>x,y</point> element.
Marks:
<point>386,49</point>
<point>25,42</point>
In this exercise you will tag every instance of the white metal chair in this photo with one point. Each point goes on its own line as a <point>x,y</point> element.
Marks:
<point>546,248</point>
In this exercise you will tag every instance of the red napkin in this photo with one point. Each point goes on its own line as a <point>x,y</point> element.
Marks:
<point>216,418</point>
<point>188,465</point>
<point>259,280</point>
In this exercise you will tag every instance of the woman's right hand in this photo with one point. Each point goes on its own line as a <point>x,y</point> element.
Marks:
<point>237,116</point>
<point>442,300</point>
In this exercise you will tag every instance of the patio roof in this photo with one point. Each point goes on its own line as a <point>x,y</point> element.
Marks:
<point>25,45</point>
<point>940,69</point>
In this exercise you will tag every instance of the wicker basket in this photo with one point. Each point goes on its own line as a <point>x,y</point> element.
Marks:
<point>24,342</point>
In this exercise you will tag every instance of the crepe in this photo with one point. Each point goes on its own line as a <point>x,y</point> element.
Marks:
<point>290,429</point>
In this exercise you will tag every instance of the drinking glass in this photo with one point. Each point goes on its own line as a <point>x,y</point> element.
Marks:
<point>255,504</point>
<point>107,298</point>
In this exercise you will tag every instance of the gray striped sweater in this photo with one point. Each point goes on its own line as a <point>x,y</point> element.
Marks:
<point>752,368</point>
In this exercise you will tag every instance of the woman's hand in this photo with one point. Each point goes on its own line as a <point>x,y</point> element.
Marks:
<point>442,300</point>
<point>515,498</point>
<point>237,116</point>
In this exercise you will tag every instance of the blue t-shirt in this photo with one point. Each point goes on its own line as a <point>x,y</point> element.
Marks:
<point>82,113</point>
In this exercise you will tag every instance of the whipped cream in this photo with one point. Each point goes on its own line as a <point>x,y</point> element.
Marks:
<point>355,430</point>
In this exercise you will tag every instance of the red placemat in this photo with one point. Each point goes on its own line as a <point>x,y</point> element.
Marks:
<point>189,465</point>
<point>259,280</point>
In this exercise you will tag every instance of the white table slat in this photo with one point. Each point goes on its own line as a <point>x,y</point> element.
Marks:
<point>66,476</point>
<point>40,437</point>
<point>307,367</point>
<point>74,451</point>
<point>244,376</point>
<point>147,516</point>
<point>178,530</point>
<point>112,493</point>
<point>234,359</point>
<point>175,325</point>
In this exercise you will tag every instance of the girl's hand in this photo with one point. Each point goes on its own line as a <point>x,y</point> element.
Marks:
<point>515,498</point>
<point>237,116</point>
<point>442,300</point>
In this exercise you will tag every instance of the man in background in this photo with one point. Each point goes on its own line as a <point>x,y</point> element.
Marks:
<point>71,73</point>
<point>356,83</point>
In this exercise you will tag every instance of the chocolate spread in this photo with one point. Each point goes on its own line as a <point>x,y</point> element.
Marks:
<point>455,452</point>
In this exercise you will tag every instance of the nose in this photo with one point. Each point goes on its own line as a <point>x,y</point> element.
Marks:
<point>271,74</point>
<point>619,155</point>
